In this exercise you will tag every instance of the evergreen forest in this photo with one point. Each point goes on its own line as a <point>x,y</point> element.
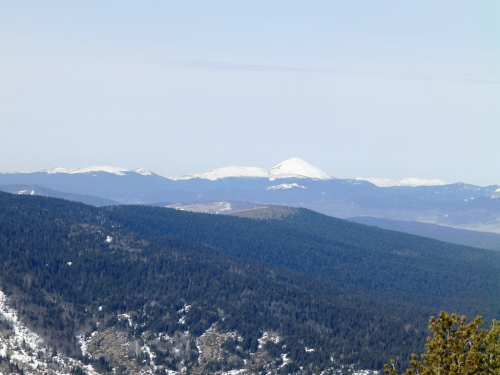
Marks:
<point>333,291</point>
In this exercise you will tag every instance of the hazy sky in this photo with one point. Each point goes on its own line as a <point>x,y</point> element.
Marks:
<point>374,88</point>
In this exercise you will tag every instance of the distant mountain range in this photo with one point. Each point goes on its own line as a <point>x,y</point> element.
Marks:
<point>290,168</point>
<point>292,182</point>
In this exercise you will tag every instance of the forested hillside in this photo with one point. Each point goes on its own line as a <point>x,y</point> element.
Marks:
<point>396,267</point>
<point>327,291</point>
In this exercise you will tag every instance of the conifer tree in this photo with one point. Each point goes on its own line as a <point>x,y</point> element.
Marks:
<point>456,348</point>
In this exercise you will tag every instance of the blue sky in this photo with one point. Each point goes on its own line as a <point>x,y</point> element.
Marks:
<point>387,89</point>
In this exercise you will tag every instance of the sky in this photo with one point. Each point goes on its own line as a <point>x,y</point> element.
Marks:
<point>375,88</point>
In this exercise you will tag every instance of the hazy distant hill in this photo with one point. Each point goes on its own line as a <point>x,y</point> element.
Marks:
<point>292,182</point>
<point>30,189</point>
<point>485,240</point>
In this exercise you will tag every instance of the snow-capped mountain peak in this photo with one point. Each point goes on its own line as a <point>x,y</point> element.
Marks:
<point>385,182</point>
<point>290,168</point>
<point>296,168</point>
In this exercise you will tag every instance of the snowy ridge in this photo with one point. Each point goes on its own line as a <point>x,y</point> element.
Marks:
<point>413,182</point>
<point>113,170</point>
<point>290,168</point>
<point>14,172</point>
<point>142,171</point>
<point>224,172</point>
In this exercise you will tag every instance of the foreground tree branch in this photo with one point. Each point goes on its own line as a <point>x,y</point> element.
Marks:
<point>456,348</point>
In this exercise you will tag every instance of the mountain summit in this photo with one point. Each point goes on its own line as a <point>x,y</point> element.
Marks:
<point>290,168</point>
<point>297,168</point>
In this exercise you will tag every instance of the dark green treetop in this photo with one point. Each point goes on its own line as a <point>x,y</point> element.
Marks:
<point>456,348</point>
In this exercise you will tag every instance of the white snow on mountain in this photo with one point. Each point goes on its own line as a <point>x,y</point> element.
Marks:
<point>384,182</point>
<point>55,170</point>
<point>13,172</point>
<point>290,168</point>
<point>232,171</point>
<point>142,171</point>
<point>285,186</point>
<point>113,170</point>
<point>26,192</point>
<point>297,168</point>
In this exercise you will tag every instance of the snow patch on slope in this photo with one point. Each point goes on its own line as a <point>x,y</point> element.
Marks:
<point>385,182</point>
<point>21,333</point>
<point>496,194</point>
<point>285,186</point>
<point>26,192</point>
<point>29,350</point>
